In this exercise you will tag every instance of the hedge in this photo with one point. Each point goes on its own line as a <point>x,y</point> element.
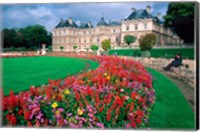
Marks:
<point>167,52</point>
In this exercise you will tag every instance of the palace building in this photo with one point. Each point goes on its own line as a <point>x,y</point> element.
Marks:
<point>140,22</point>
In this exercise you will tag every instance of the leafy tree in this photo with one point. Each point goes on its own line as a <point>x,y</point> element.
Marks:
<point>106,44</point>
<point>28,37</point>
<point>147,41</point>
<point>180,17</point>
<point>94,47</point>
<point>62,48</point>
<point>75,47</point>
<point>128,39</point>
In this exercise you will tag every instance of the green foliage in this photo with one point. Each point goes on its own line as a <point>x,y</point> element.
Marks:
<point>180,17</point>
<point>169,53</point>
<point>75,47</point>
<point>94,47</point>
<point>147,41</point>
<point>62,48</point>
<point>106,44</point>
<point>28,37</point>
<point>128,39</point>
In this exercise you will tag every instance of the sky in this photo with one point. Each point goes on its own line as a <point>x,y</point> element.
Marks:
<point>49,15</point>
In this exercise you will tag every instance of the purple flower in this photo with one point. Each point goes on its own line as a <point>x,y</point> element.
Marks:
<point>65,122</point>
<point>128,125</point>
<point>61,109</point>
<point>72,125</point>
<point>100,125</point>
<point>39,116</point>
<point>69,114</point>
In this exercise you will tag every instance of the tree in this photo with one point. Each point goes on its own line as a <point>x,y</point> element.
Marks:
<point>106,44</point>
<point>147,41</point>
<point>128,39</point>
<point>94,47</point>
<point>61,48</point>
<point>75,47</point>
<point>29,37</point>
<point>180,17</point>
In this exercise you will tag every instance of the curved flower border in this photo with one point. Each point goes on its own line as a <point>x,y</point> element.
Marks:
<point>118,94</point>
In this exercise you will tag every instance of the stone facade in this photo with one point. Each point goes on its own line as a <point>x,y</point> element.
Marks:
<point>68,34</point>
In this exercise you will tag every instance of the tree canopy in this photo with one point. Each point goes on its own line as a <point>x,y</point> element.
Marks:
<point>128,39</point>
<point>106,44</point>
<point>147,41</point>
<point>28,37</point>
<point>180,17</point>
<point>94,47</point>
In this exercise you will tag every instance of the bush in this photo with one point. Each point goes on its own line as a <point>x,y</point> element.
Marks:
<point>147,41</point>
<point>106,44</point>
<point>75,47</point>
<point>128,39</point>
<point>94,47</point>
<point>61,48</point>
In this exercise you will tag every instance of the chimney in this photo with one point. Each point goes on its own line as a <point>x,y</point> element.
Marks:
<point>133,9</point>
<point>69,20</point>
<point>148,9</point>
<point>159,16</point>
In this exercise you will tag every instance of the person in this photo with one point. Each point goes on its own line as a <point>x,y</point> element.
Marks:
<point>175,63</point>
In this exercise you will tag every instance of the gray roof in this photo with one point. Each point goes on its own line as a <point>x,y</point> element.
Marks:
<point>66,23</point>
<point>139,14</point>
<point>86,25</point>
<point>102,22</point>
<point>114,23</point>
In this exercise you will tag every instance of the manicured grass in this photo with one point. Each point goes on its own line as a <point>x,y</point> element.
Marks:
<point>20,73</point>
<point>171,110</point>
<point>186,52</point>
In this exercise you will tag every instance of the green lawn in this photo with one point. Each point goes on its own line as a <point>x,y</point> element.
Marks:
<point>171,110</point>
<point>170,53</point>
<point>20,73</point>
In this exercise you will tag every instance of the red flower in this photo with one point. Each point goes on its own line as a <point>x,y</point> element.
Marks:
<point>108,117</point>
<point>29,123</point>
<point>133,95</point>
<point>27,115</point>
<point>133,124</point>
<point>139,113</point>
<point>12,119</point>
<point>138,120</point>
<point>20,112</point>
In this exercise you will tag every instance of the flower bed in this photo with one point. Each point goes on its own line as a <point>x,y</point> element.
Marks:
<point>118,94</point>
<point>12,55</point>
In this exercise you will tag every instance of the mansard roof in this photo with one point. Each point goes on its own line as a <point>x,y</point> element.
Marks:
<point>68,23</point>
<point>139,14</point>
<point>102,22</point>
<point>86,25</point>
<point>114,23</point>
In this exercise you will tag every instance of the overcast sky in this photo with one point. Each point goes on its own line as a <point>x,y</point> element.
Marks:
<point>22,15</point>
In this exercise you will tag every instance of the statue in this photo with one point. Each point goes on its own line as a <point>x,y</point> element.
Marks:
<point>43,50</point>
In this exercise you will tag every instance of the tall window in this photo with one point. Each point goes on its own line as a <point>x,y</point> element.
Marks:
<point>127,28</point>
<point>145,25</point>
<point>136,27</point>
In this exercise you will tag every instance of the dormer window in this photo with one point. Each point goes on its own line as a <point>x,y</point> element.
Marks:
<point>136,27</point>
<point>145,25</point>
<point>127,28</point>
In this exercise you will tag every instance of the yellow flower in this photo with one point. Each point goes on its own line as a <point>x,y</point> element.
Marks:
<point>67,91</point>
<point>116,81</point>
<point>108,77</point>
<point>54,105</point>
<point>105,74</point>
<point>57,112</point>
<point>80,112</point>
